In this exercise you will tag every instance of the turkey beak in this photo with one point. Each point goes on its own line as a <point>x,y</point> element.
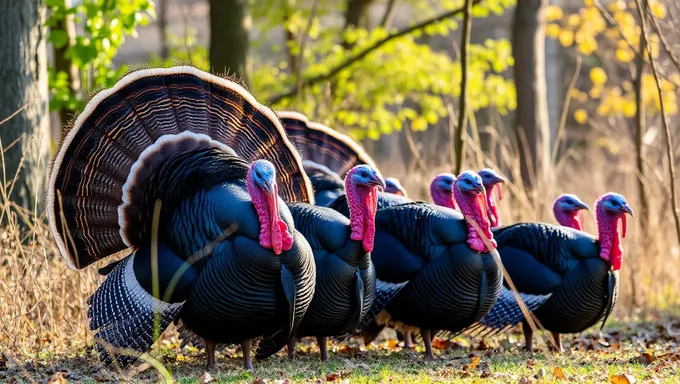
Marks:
<point>627,209</point>
<point>581,205</point>
<point>498,179</point>
<point>377,181</point>
<point>269,187</point>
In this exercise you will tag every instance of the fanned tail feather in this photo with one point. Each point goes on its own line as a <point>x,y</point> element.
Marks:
<point>127,319</point>
<point>322,145</point>
<point>384,293</point>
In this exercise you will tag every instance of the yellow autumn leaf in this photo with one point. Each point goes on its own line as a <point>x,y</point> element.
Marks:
<point>574,20</point>
<point>595,93</point>
<point>658,9</point>
<point>619,5</point>
<point>552,30</point>
<point>581,116</point>
<point>623,379</point>
<point>667,86</point>
<point>624,55</point>
<point>566,38</point>
<point>629,108</point>
<point>588,47</point>
<point>588,3</point>
<point>671,109</point>
<point>553,12</point>
<point>598,76</point>
<point>558,373</point>
<point>419,124</point>
<point>603,109</point>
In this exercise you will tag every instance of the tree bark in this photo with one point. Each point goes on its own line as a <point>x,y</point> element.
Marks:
<point>640,128</point>
<point>65,64</point>
<point>163,27</point>
<point>229,27</point>
<point>532,126</point>
<point>23,75</point>
<point>356,16</point>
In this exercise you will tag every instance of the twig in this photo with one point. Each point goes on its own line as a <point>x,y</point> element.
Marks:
<point>664,117</point>
<point>640,128</point>
<point>389,14</point>
<point>414,149</point>
<point>6,119</point>
<point>462,108</point>
<point>663,40</point>
<point>301,54</point>
<point>565,109</point>
<point>364,52</point>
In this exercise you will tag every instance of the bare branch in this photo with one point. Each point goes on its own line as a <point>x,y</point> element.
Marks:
<point>565,110</point>
<point>364,52</point>
<point>462,109</point>
<point>669,145</point>
<point>389,14</point>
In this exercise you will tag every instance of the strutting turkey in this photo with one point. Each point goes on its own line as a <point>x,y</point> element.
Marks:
<point>567,278</point>
<point>432,270</point>
<point>393,186</point>
<point>492,182</point>
<point>568,210</point>
<point>345,276</point>
<point>227,260</point>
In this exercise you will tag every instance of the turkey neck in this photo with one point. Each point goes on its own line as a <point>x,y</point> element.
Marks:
<point>474,206</point>
<point>363,203</point>
<point>442,198</point>
<point>568,219</point>
<point>273,231</point>
<point>494,219</point>
<point>610,236</point>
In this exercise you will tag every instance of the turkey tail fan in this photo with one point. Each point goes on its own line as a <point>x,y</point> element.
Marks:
<point>127,132</point>
<point>504,314</point>
<point>127,319</point>
<point>384,293</point>
<point>322,145</point>
<point>612,295</point>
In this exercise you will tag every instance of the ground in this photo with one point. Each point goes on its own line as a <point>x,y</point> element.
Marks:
<point>645,352</point>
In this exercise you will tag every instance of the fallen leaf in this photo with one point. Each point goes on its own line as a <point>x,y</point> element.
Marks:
<point>58,378</point>
<point>646,358</point>
<point>259,380</point>
<point>483,346</point>
<point>524,380</point>
<point>486,370</point>
<point>206,378</point>
<point>473,363</point>
<point>392,343</point>
<point>623,378</point>
<point>332,376</point>
<point>531,362</point>
<point>558,373</point>
<point>441,344</point>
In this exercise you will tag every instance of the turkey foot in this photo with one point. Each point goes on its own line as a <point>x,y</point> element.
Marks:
<point>407,340</point>
<point>528,337</point>
<point>247,362</point>
<point>210,351</point>
<point>427,339</point>
<point>558,342</point>
<point>291,348</point>
<point>323,348</point>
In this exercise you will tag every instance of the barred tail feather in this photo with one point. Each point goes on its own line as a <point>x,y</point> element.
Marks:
<point>128,320</point>
<point>322,145</point>
<point>127,132</point>
<point>384,293</point>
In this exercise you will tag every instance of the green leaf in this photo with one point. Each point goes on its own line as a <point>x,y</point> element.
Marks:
<point>58,37</point>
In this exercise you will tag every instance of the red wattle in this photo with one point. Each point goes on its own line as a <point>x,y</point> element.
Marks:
<point>475,207</point>
<point>273,231</point>
<point>609,236</point>
<point>370,208</point>
<point>281,240</point>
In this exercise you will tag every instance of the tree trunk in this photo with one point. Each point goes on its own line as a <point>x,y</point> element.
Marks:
<point>532,126</point>
<point>23,75</point>
<point>640,128</point>
<point>229,27</point>
<point>64,64</point>
<point>163,27</point>
<point>356,15</point>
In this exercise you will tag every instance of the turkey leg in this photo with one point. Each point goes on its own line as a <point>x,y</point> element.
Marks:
<point>558,342</point>
<point>427,339</point>
<point>323,348</point>
<point>407,340</point>
<point>247,362</point>
<point>210,351</point>
<point>291,348</point>
<point>528,337</point>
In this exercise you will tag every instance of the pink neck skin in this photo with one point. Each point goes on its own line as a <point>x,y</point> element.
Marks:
<point>363,204</point>
<point>610,237</point>
<point>474,206</point>
<point>441,198</point>
<point>494,219</point>
<point>571,219</point>
<point>273,231</point>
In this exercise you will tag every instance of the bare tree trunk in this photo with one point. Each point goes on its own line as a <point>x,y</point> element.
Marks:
<point>23,75</point>
<point>640,127</point>
<point>65,64</point>
<point>459,139</point>
<point>162,15</point>
<point>229,27</point>
<point>356,15</point>
<point>532,126</point>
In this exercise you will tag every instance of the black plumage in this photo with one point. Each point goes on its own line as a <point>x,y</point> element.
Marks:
<point>182,140</point>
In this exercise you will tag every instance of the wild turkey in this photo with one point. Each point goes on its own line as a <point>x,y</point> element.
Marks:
<point>393,186</point>
<point>345,277</point>
<point>441,190</point>
<point>161,164</point>
<point>568,210</point>
<point>492,181</point>
<point>568,278</point>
